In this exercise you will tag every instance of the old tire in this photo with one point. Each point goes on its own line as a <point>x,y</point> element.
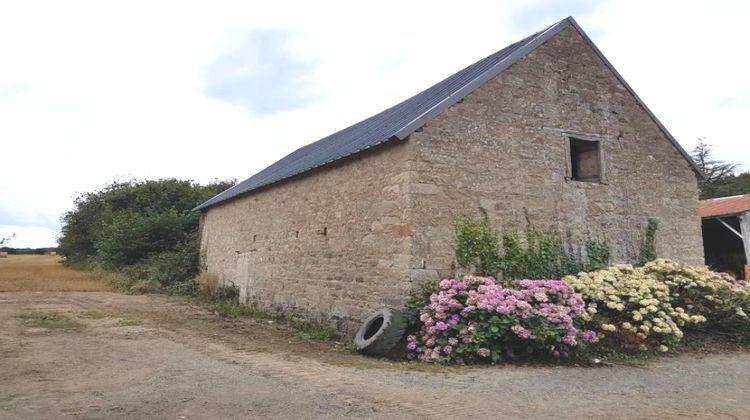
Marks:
<point>381,332</point>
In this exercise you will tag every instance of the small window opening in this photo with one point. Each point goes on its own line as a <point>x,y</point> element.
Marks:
<point>585,160</point>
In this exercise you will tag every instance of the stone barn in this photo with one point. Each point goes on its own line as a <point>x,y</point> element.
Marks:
<point>543,132</point>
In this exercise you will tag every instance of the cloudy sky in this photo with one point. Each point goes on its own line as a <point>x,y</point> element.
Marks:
<point>92,92</point>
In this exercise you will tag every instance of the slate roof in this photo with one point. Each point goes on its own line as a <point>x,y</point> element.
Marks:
<point>724,206</point>
<point>398,122</point>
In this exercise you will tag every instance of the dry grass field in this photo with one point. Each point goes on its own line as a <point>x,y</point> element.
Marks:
<point>20,273</point>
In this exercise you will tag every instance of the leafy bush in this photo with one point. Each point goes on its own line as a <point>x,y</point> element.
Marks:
<point>542,256</point>
<point>723,300</point>
<point>632,308</point>
<point>226,293</point>
<point>647,307</point>
<point>598,254</point>
<point>144,229</point>
<point>130,238</point>
<point>648,246</point>
<point>477,320</point>
<point>169,267</point>
<point>478,246</point>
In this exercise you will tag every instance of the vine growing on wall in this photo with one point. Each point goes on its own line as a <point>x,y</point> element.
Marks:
<point>648,245</point>
<point>597,252</point>
<point>478,246</point>
<point>538,255</point>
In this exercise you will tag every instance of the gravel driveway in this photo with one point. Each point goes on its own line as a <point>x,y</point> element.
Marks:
<point>157,357</point>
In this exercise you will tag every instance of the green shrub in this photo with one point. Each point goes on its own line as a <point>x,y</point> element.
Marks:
<point>226,293</point>
<point>238,310</point>
<point>147,229</point>
<point>131,238</point>
<point>541,255</point>
<point>648,245</point>
<point>184,288</point>
<point>478,246</point>
<point>598,255</point>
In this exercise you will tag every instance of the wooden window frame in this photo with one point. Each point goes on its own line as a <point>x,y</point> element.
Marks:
<point>568,137</point>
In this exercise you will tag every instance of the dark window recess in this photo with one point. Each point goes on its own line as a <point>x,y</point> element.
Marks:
<point>585,160</point>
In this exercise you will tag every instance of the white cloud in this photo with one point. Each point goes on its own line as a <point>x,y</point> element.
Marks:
<point>96,91</point>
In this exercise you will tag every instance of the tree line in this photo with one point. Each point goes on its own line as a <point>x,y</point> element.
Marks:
<point>721,179</point>
<point>146,230</point>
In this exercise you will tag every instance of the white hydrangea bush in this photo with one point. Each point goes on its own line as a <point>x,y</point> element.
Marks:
<point>718,296</point>
<point>632,308</point>
<point>647,307</point>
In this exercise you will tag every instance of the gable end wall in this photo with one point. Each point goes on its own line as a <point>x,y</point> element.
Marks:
<point>502,150</point>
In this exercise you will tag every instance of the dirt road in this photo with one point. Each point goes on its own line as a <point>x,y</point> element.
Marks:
<point>93,355</point>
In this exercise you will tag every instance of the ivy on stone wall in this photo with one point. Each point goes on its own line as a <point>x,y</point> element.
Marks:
<point>539,255</point>
<point>478,246</point>
<point>648,245</point>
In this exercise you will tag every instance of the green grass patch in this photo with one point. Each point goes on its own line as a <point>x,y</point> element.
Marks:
<point>50,320</point>
<point>237,310</point>
<point>311,331</point>
<point>95,314</point>
<point>635,358</point>
<point>129,322</point>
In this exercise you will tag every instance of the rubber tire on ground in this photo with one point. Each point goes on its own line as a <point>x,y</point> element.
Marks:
<point>381,332</point>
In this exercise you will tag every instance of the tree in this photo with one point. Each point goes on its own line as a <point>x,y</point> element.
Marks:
<point>145,228</point>
<point>720,179</point>
<point>6,239</point>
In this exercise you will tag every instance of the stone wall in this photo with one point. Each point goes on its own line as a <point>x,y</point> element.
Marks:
<point>502,150</point>
<point>331,245</point>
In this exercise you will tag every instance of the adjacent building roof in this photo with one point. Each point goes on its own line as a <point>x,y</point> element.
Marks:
<point>398,122</point>
<point>724,206</point>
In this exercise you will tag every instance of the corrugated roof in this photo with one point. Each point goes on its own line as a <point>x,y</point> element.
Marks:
<point>398,122</point>
<point>724,206</point>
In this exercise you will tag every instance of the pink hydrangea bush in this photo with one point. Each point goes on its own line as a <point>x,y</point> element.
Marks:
<point>475,319</point>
